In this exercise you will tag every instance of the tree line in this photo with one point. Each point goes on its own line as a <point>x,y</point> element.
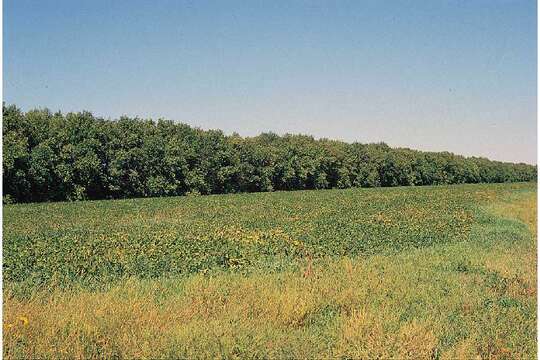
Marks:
<point>53,156</point>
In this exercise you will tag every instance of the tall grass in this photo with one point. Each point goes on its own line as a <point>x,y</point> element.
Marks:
<point>466,299</point>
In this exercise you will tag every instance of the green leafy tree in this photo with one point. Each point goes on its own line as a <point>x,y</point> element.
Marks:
<point>48,157</point>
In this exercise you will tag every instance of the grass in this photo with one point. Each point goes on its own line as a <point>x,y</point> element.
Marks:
<point>467,289</point>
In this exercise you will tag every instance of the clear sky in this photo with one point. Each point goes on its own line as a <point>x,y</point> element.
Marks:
<point>431,75</point>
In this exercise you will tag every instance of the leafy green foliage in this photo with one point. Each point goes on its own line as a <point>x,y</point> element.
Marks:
<point>99,241</point>
<point>50,157</point>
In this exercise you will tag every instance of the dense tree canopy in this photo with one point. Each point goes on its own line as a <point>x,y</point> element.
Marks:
<point>49,157</point>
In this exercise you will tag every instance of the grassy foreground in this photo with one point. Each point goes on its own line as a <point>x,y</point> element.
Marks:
<point>434,272</point>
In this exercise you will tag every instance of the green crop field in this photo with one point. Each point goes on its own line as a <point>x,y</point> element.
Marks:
<point>410,272</point>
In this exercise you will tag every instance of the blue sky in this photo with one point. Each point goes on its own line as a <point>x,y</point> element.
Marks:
<point>431,75</point>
